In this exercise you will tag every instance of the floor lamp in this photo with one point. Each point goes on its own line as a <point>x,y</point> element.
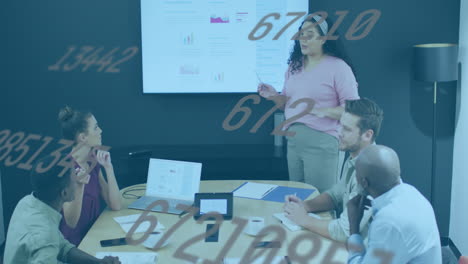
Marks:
<point>435,62</point>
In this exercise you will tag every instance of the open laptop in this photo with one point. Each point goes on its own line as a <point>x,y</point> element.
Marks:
<point>170,180</point>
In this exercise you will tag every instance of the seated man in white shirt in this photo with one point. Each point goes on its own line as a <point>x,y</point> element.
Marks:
<point>404,228</point>
<point>33,236</point>
<point>360,127</point>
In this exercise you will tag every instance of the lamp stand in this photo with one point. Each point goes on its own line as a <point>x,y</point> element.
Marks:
<point>434,144</point>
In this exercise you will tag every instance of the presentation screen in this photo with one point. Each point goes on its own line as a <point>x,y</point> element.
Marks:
<point>203,46</point>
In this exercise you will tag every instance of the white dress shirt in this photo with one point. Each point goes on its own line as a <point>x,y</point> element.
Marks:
<point>33,236</point>
<point>403,230</point>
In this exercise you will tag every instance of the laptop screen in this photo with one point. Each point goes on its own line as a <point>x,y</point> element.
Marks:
<point>173,179</point>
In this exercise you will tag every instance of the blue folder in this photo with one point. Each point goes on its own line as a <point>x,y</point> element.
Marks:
<point>278,194</point>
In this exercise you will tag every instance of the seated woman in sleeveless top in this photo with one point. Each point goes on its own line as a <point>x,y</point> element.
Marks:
<point>79,215</point>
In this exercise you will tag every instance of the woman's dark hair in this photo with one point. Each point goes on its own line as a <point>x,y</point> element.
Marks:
<point>331,47</point>
<point>73,122</point>
<point>48,185</point>
<point>369,113</point>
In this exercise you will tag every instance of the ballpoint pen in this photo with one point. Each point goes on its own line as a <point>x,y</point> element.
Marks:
<point>295,194</point>
<point>267,192</point>
<point>258,78</point>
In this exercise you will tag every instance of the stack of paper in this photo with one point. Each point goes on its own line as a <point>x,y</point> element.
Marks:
<point>254,190</point>
<point>260,260</point>
<point>290,224</point>
<point>131,257</point>
<point>153,239</point>
<point>126,222</point>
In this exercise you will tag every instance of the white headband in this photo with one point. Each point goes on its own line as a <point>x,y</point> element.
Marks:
<point>323,25</point>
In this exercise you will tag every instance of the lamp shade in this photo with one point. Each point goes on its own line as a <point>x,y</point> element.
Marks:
<point>437,62</point>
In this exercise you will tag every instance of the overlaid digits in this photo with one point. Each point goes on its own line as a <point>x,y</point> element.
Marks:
<point>279,101</point>
<point>355,27</point>
<point>252,253</point>
<point>87,59</point>
<point>14,148</point>
<point>249,256</point>
<point>180,252</point>
<point>153,220</point>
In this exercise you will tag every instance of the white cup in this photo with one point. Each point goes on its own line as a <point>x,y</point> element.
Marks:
<point>254,225</point>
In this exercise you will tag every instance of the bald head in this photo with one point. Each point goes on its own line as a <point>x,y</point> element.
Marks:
<point>380,166</point>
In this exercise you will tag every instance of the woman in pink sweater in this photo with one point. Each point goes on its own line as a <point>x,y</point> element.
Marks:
<point>318,70</point>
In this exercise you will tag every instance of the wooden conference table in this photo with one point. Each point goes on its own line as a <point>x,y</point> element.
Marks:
<point>106,228</point>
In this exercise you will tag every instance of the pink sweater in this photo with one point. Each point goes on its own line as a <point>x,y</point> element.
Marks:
<point>330,83</point>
